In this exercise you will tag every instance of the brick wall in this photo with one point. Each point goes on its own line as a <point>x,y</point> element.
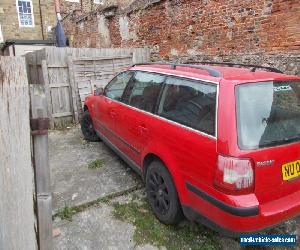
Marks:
<point>10,23</point>
<point>261,31</point>
<point>86,6</point>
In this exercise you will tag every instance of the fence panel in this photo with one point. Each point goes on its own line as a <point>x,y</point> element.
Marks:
<point>17,218</point>
<point>51,67</point>
<point>93,72</point>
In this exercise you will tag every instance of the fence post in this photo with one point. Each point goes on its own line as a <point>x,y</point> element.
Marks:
<point>17,215</point>
<point>73,87</point>
<point>39,126</point>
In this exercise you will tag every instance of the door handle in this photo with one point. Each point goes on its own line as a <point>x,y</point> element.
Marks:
<point>113,113</point>
<point>143,129</point>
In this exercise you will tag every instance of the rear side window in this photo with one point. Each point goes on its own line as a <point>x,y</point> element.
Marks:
<point>191,103</point>
<point>117,85</point>
<point>144,91</point>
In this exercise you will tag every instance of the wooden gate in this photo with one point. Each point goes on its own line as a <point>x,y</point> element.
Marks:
<point>59,93</point>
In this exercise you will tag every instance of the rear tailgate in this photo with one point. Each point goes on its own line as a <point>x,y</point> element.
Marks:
<point>268,119</point>
<point>276,171</point>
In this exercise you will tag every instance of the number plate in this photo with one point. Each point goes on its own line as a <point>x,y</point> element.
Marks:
<point>291,170</point>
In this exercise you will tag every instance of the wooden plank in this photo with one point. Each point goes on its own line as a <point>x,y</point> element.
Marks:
<point>58,85</point>
<point>73,87</point>
<point>58,66</point>
<point>42,169</point>
<point>44,203</point>
<point>47,91</point>
<point>17,218</point>
<point>102,58</point>
<point>62,114</point>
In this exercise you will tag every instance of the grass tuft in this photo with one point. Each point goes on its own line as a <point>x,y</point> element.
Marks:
<point>99,163</point>
<point>150,230</point>
<point>66,213</point>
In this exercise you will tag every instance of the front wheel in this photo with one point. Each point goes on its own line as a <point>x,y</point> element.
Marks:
<point>87,127</point>
<point>162,194</point>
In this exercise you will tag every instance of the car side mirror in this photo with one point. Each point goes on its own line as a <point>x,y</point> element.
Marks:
<point>99,91</point>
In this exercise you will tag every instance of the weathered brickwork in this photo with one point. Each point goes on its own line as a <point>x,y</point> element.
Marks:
<point>86,6</point>
<point>260,31</point>
<point>43,13</point>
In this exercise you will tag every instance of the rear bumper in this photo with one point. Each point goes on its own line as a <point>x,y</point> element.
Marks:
<point>234,221</point>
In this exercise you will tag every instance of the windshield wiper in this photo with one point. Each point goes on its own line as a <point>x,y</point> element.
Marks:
<point>278,142</point>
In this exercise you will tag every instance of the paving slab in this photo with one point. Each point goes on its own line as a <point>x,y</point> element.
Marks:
<point>96,228</point>
<point>73,183</point>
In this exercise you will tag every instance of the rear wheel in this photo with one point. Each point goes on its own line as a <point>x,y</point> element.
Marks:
<point>162,194</point>
<point>87,127</point>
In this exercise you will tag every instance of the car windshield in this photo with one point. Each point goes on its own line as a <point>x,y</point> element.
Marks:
<point>268,113</point>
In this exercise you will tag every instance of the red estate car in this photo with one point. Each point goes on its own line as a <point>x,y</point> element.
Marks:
<point>220,145</point>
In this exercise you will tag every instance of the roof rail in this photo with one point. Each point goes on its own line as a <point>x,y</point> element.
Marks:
<point>254,67</point>
<point>212,72</point>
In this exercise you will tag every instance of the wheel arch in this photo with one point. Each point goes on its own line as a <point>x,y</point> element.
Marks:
<point>150,157</point>
<point>164,155</point>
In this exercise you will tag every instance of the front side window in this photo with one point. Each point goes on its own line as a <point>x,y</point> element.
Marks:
<point>145,91</point>
<point>191,103</point>
<point>25,13</point>
<point>268,113</point>
<point>115,89</point>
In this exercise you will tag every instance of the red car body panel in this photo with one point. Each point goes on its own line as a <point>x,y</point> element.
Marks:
<point>191,156</point>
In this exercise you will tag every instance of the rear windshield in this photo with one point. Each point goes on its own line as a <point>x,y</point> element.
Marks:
<point>268,113</point>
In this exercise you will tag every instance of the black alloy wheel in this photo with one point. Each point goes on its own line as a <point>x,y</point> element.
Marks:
<point>162,194</point>
<point>87,128</point>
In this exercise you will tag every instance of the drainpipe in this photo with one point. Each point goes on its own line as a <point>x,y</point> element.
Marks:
<point>42,22</point>
<point>57,9</point>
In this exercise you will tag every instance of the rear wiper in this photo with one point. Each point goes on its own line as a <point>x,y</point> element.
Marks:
<point>277,142</point>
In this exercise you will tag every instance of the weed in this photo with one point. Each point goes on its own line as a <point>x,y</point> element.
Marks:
<point>66,213</point>
<point>105,199</point>
<point>150,230</point>
<point>96,164</point>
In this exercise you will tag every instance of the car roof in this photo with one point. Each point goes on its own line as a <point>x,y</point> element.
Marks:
<point>235,75</point>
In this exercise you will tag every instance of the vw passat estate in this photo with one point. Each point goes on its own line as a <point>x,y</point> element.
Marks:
<point>220,145</point>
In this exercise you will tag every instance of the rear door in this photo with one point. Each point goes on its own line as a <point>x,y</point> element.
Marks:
<point>189,109</point>
<point>132,122</point>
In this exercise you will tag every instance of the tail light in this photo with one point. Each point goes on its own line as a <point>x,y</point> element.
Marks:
<point>234,175</point>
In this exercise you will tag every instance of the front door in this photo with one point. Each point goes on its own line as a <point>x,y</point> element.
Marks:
<point>106,105</point>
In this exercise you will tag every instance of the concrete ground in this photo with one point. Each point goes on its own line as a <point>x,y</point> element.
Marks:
<point>96,226</point>
<point>73,183</point>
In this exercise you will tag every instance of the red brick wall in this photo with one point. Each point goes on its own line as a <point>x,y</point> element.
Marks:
<point>227,29</point>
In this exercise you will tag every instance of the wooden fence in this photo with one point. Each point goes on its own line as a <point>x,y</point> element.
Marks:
<point>69,74</point>
<point>17,217</point>
<point>25,195</point>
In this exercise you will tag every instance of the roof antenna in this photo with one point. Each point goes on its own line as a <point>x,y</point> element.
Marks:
<point>253,69</point>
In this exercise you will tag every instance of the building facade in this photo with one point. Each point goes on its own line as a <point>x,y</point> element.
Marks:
<point>26,19</point>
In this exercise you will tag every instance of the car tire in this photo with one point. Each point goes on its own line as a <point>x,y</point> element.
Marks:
<point>87,128</point>
<point>162,194</point>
